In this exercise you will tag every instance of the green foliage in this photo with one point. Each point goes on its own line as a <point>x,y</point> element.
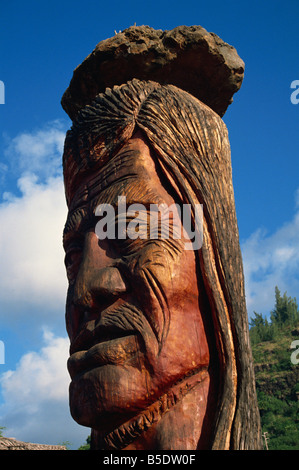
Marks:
<point>65,444</point>
<point>85,446</point>
<point>1,430</point>
<point>276,376</point>
<point>285,312</point>
<point>280,420</point>
<point>261,329</point>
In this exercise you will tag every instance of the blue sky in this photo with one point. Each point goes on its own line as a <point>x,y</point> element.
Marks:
<point>41,42</point>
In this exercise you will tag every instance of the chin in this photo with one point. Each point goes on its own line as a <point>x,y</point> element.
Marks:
<point>108,394</point>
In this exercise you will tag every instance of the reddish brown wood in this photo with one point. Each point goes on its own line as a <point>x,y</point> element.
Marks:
<point>160,355</point>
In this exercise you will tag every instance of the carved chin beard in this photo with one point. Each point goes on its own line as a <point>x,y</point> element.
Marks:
<point>125,434</point>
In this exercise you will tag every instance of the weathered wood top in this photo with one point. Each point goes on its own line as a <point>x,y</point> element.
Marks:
<point>188,57</point>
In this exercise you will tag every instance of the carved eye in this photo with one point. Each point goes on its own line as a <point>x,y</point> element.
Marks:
<point>131,232</point>
<point>72,262</point>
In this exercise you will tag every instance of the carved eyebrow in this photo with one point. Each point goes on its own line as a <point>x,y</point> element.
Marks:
<point>102,181</point>
<point>134,191</point>
<point>116,178</point>
<point>74,223</point>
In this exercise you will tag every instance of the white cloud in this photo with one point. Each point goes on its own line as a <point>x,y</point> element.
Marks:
<point>271,260</point>
<point>35,407</point>
<point>31,245</point>
<point>41,374</point>
<point>34,402</point>
<point>31,223</point>
<point>39,151</point>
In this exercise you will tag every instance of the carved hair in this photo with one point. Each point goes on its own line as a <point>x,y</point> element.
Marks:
<point>191,145</point>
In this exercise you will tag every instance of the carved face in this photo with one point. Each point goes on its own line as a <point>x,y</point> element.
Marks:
<point>132,314</point>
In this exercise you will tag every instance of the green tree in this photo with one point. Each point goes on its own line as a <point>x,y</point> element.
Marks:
<point>277,389</point>
<point>285,310</point>
<point>280,420</point>
<point>85,446</point>
<point>261,329</point>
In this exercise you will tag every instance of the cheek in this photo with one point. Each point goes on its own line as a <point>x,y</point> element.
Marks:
<point>173,303</point>
<point>167,268</point>
<point>163,283</point>
<point>158,274</point>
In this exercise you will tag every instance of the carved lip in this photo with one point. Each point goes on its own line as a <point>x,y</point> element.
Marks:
<point>93,332</point>
<point>113,351</point>
<point>97,344</point>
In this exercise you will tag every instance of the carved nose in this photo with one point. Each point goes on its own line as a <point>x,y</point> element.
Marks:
<point>94,287</point>
<point>98,279</point>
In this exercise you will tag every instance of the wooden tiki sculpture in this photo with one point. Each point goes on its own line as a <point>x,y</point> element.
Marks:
<point>160,355</point>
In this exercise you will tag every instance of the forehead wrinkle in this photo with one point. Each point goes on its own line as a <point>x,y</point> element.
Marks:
<point>118,168</point>
<point>117,177</point>
<point>121,165</point>
<point>133,189</point>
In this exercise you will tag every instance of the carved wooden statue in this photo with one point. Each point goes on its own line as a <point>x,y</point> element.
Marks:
<point>160,355</point>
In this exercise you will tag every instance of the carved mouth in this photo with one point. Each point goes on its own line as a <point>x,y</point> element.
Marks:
<point>94,332</point>
<point>109,351</point>
<point>116,334</point>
